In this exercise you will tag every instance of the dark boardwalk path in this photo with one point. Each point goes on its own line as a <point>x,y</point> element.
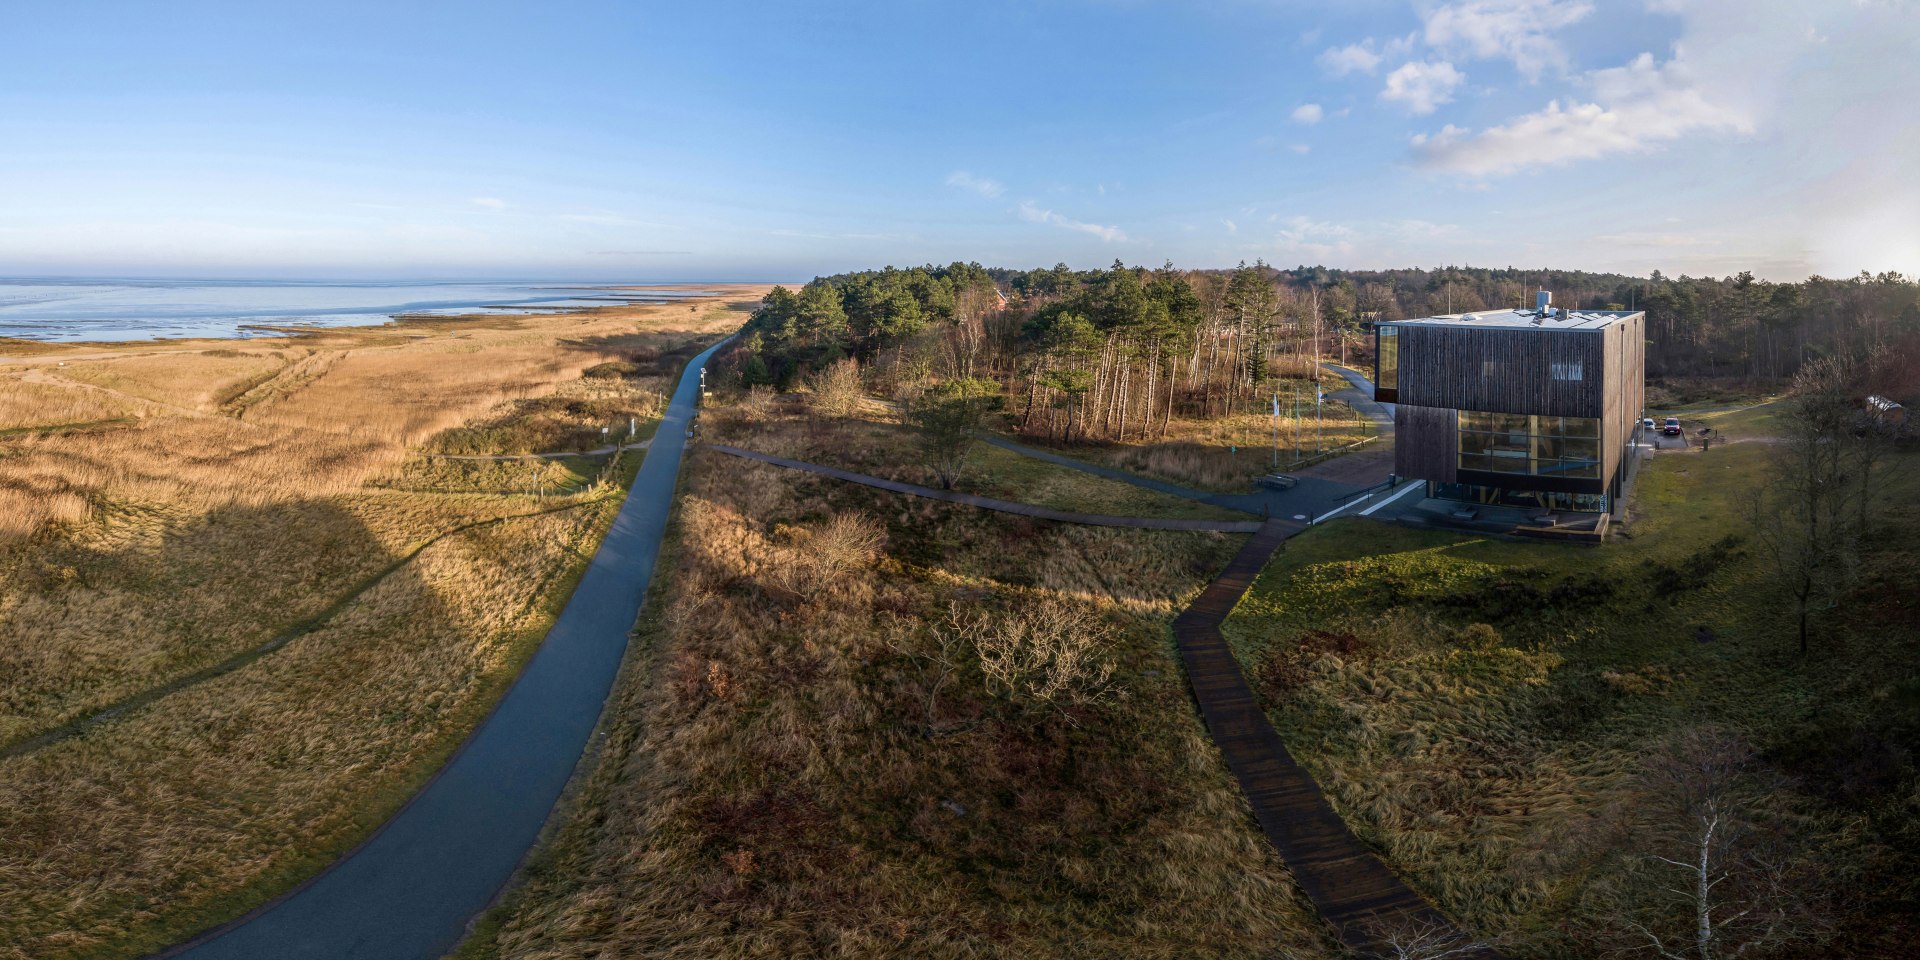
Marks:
<point>1350,886</point>
<point>988,503</point>
<point>410,890</point>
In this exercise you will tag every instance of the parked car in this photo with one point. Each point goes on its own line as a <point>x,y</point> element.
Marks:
<point>1672,427</point>
<point>1647,424</point>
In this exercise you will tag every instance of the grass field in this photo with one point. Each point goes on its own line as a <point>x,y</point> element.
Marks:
<point>224,496</point>
<point>790,771</point>
<point>1226,453</point>
<point>876,442</point>
<point>1486,713</point>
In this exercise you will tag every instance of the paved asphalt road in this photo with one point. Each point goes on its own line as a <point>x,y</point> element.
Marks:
<point>409,892</point>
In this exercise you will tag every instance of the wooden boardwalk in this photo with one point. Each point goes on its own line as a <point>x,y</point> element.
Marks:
<point>1370,910</point>
<point>1366,904</point>
<point>989,503</point>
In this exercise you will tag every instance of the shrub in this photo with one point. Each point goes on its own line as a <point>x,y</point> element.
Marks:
<point>612,369</point>
<point>1046,655</point>
<point>837,389</point>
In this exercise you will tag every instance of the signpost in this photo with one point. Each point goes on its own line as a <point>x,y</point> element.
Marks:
<point>1276,431</point>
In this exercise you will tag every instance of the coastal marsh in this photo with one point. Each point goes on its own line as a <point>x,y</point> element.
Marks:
<point>234,514</point>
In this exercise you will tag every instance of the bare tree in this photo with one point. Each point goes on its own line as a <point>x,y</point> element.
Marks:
<point>1804,519</point>
<point>1731,886</point>
<point>937,666</point>
<point>947,414</point>
<point>1875,434</point>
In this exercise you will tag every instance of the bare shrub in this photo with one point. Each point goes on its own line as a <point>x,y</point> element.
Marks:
<point>837,390</point>
<point>848,542</point>
<point>1425,938</point>
<point>826,556</point>
<point>1046,655</point>
<point>757,404</point>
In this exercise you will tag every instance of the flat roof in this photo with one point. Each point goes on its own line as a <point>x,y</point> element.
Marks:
<point>1524,319</point>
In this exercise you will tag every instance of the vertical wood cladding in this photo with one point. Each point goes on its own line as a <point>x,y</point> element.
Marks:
<point>1626,386</point>
<point>1503,371</point>
<point>1425,443</point>
<point>1445,369</point>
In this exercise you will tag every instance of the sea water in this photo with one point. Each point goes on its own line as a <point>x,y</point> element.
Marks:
<point>107,310</point>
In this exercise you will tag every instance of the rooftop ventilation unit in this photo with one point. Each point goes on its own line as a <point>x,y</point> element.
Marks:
<point>1541,301</point>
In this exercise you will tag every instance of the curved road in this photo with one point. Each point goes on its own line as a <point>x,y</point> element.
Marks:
<point>409,891</point>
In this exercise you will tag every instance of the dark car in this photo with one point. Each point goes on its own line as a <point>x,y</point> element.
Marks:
<point>1672,427</point>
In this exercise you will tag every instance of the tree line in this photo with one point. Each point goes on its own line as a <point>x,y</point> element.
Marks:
<point>1120,353</point>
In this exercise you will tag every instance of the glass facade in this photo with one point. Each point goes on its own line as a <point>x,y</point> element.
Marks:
<point>1386,369</point>
<point>1528,445</point>
<point>1532,499</point>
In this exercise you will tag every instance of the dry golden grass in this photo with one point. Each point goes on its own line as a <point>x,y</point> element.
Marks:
<point>1226,453</point>
<point>179,378</point>
<point>36,399</point>
<point>237,493</point>
<point>875,441</point>
<point>796,766</point>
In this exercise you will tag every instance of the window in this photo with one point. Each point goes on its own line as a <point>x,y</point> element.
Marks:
<point>1386,373</point>
<point>1528,445</point>
<point>1569,371</point>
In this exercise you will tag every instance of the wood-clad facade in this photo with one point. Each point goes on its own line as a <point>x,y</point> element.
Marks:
<point>1562,384</point>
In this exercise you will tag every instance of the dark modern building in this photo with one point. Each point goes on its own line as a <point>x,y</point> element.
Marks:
<point>1533,408</point>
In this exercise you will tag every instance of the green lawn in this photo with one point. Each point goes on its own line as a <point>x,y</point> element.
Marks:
<point>1478,709</point>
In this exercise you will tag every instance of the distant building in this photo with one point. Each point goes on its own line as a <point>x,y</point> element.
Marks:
<point>1887,413</point>
<point>1536,408</point>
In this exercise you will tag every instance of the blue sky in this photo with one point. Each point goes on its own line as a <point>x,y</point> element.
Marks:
<point>777,141</point>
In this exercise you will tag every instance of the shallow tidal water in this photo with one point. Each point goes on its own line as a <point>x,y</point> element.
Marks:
<point>113,310</point>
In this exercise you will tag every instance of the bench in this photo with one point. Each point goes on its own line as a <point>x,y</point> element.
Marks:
<point>1277,481</point>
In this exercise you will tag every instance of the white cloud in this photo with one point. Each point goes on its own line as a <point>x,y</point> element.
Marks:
<point>1301,149</point>
<point>1516,30</point>
<point>1422,86</point>
<point>1363,57</point>
<point>1315,238</point>
<point>1307,113</point>
<point>1231,226</point>
<point>1353,58</point>
<point>1636,108</point>
<point>491,203</point>
<point>1033,214</point>
<point>983,186</point>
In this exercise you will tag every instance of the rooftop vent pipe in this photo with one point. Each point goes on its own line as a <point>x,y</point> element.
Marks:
<point>1541,301</point>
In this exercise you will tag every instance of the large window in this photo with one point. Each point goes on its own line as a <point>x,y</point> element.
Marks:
<point>1530,445</point>
<point>1386,373</point>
